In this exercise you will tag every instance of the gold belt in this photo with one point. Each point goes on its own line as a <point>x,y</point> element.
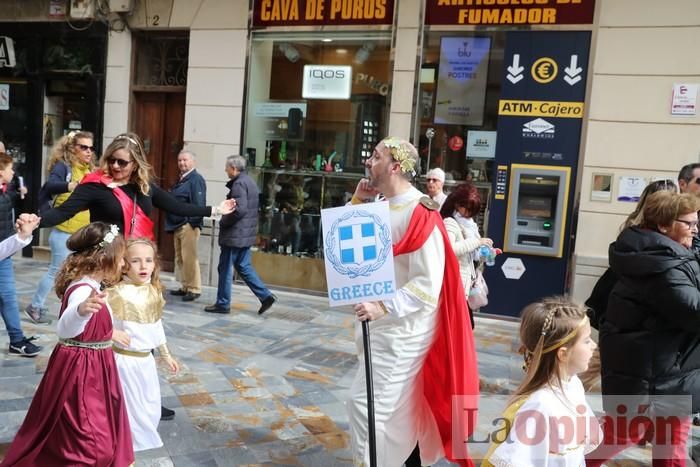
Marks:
<point>130,353</point>
<point>85,345</point>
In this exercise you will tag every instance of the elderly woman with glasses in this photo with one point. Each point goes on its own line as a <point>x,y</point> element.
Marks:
<point>649,344</point>
<point>71,159</point>
<point>121,192</point>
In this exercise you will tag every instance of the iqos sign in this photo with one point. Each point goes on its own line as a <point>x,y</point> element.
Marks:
<point>327,82</point>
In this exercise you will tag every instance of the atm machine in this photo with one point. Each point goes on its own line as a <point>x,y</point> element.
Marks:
<point>532,210</point>
<point>537,210</point>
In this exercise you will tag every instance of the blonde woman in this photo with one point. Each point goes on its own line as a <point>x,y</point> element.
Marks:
<point>71,159</point>
<point>121,192</point>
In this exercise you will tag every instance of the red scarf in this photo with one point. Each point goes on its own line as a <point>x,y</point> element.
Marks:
<point>143,225</point>
<point>450,368</point>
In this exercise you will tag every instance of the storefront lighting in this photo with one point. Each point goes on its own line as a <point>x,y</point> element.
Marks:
<point>326,40</point>
<point>341,51</point>
<point>290,52</point>
<point>363,53</point>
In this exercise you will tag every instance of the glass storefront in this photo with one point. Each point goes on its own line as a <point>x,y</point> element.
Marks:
<point>56,84</point>
<point>317,105</point>
<point>456,128</point>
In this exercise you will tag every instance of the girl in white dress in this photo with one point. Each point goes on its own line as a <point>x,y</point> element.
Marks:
<point>548,422</point>
<point>137,308</point>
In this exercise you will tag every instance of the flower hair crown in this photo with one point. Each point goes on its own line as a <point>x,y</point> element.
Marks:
<point>110,236</point>
<point>401,154</point>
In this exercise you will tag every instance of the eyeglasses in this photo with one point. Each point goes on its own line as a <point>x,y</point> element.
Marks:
<point>120,162</point>
<point>85,147</point>
<point>691,224</point>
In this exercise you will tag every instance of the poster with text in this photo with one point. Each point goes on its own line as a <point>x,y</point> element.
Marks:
<point>462,76</point>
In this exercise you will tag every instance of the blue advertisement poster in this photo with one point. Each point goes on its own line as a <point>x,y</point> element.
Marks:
<point>462,76</point>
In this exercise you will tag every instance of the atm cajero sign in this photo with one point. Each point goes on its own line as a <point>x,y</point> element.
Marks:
<point>327,82</point>
<point>7,52</point>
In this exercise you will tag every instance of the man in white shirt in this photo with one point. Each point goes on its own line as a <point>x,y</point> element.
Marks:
<point>434,180</point>
<point>424,329</point>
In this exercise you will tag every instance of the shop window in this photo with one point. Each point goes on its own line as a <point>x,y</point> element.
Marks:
<point>161,60</point>
<point>294,128</point>
<point>70,55</point>
<point>456,127</point>
<point>457,108</point>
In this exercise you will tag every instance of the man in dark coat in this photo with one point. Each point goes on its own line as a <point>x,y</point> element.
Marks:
<point>237,234</point>
<point>190,188</point>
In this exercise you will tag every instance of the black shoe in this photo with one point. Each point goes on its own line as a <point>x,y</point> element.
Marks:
<point>189,297</point>
<point>25,348</point>
<point>178,292</point>
<point>166,414</point>
<point>267,303</point>
<point>217,309</point>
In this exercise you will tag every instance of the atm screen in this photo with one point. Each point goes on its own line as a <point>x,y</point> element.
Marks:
<point>539,207</point>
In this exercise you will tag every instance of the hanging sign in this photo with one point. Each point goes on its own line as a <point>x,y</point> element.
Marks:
<point>455,143</point>
<point>321,12</point>
<point>481,144</point>
<point>461,85</point>
<point>507,12</point>
<point>327,82</point>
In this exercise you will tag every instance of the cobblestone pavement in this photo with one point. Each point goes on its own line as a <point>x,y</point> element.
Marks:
<point>255,390</point>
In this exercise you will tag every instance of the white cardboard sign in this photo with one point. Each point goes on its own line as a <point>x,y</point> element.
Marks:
<point>358,253</point>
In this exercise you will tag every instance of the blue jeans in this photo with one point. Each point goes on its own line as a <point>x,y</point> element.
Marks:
<point>8,301</point>
<point>239,258</point>
<point>59,252</point>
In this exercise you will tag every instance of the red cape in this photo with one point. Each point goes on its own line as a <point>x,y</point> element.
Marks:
<point>450,369</point>
<point>142,224</point>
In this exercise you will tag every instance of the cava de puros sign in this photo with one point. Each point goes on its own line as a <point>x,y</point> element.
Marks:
<point>321,12</point>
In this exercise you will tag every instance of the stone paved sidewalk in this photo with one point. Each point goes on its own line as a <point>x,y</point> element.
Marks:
<point>254,390</point>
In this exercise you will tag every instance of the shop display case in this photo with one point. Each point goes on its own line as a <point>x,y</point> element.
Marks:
<point>289,250</point>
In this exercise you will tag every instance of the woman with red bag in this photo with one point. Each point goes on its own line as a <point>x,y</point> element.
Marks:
<point>121,192</point>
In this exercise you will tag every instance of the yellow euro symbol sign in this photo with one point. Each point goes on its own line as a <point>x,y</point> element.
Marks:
<point>544,70</point>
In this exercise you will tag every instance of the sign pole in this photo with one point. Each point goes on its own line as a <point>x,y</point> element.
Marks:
<point>370,395</point>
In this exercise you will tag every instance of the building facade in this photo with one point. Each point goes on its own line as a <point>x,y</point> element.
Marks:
<point>557,110</point>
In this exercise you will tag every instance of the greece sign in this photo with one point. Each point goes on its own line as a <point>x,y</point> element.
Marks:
<point>358,253</point>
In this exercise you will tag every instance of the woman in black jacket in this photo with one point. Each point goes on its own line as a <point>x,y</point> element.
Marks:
<point>121,192</point>
<point>650,338</point>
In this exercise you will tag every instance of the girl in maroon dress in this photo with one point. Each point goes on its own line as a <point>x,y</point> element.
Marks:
<point>78,416</point>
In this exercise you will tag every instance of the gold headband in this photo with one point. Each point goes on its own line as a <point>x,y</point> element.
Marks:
<point>401,155</point>
<point>566,338</point>
<point>129,139</point>
<point>139,241</point>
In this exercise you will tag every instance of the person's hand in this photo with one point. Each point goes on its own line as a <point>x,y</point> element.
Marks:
<point>93,304</point>
<point>227,206</point>
<point>485,241</point>
<point>23,191</point>
<point>172,364</point>
<point>368,311</point>
<point>25,224</point>
<point>72,185</point>
<point>121,337</point>
<point>364,190</point>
